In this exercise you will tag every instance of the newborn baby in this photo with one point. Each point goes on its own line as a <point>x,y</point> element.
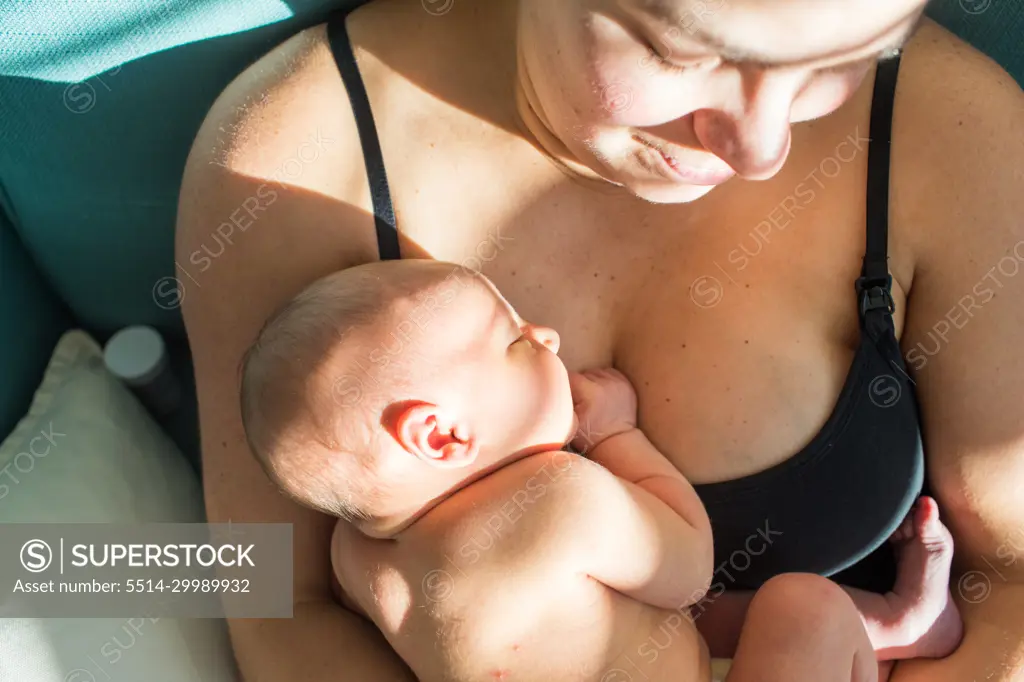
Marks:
<point>410,400</point>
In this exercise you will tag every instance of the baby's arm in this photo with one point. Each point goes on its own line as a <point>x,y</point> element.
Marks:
<point>675,568</point>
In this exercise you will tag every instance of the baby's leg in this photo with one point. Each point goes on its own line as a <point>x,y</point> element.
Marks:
<point>803,627</point>
<point>918,619</point>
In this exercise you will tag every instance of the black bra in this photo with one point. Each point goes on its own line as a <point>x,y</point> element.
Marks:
<point>830,508</point>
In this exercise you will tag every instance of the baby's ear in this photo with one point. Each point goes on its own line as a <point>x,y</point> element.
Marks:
<point>428,432</point>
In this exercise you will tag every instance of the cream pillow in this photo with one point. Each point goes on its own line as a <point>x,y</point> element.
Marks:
<point>88,452</point>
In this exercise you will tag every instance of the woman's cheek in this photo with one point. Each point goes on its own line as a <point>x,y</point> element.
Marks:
<point>638,101</point>
<point>826,92</point>
<point>639,94</point>
<point>622,80</point>
<point>615,100</point>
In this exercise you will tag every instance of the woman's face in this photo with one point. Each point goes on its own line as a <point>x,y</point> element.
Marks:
<point>670,98</point>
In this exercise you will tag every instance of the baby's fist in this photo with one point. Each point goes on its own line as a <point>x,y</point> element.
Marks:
<point>605,404</point>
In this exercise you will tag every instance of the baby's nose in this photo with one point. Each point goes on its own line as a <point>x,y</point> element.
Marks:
<point>545,336</point>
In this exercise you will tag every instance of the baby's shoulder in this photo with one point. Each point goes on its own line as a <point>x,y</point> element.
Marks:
<point>547,491</point>
<point>538,496</point>
<point>547,476</point>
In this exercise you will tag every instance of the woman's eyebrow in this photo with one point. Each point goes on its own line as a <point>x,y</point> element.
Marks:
<point>698,32</point>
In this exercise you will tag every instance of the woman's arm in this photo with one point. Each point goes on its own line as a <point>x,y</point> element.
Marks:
<point>959,191</point>
<point>265,209</point>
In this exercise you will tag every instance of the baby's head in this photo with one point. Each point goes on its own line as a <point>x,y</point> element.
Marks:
<point>382,388</point>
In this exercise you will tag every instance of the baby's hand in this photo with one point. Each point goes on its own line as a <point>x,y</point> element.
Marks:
<point>605,404</point>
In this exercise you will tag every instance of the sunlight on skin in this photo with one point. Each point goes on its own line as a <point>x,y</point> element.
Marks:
<point>668,109</point>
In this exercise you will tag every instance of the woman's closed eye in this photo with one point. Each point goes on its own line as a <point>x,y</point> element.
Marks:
<point>679,65</point>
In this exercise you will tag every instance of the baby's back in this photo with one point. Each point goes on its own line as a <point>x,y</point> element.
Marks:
<point>492,584</point>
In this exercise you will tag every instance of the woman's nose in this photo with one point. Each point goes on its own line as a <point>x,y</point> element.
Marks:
<point>546,336</point>
<point>752,132</point>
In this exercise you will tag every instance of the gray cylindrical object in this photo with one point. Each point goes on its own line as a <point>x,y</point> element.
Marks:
<point>138,357</point>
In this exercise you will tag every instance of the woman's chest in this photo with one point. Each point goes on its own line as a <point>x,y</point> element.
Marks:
<point>734,317</point>
<point>737,333</point>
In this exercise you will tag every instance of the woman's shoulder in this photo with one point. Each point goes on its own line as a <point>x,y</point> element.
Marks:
<point>274,195</point>
<point>402,51</point>
<point>957,145</point>
<point>949,93</point>
<point>259,121</point>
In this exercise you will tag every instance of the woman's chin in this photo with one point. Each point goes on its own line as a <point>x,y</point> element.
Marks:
<point>650,183</point>
<point>666,193</point>
<point>652,187</point>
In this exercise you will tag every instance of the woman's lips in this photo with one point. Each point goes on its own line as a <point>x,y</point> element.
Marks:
<point>687,174</point>
<point>696,176</point>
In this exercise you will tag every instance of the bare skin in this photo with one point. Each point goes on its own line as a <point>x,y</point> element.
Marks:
<point>431,587</point>
<point>725,390</point>
<point>918,618</point>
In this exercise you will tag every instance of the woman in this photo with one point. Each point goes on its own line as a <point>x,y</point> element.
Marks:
<point>582,155</point>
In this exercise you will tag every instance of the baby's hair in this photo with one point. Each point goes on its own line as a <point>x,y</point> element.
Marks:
<point>318,446</point>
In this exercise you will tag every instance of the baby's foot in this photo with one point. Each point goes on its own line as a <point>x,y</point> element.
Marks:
<point>921,596</point>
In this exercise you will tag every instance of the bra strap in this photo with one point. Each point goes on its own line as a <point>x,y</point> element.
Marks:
<point>380,192</point>
<point>874,287</point>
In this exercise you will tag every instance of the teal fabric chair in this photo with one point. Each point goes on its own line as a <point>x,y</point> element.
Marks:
<point>99,103</point>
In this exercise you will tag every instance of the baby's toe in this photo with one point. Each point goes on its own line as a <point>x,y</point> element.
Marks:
<point>928,527</point>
